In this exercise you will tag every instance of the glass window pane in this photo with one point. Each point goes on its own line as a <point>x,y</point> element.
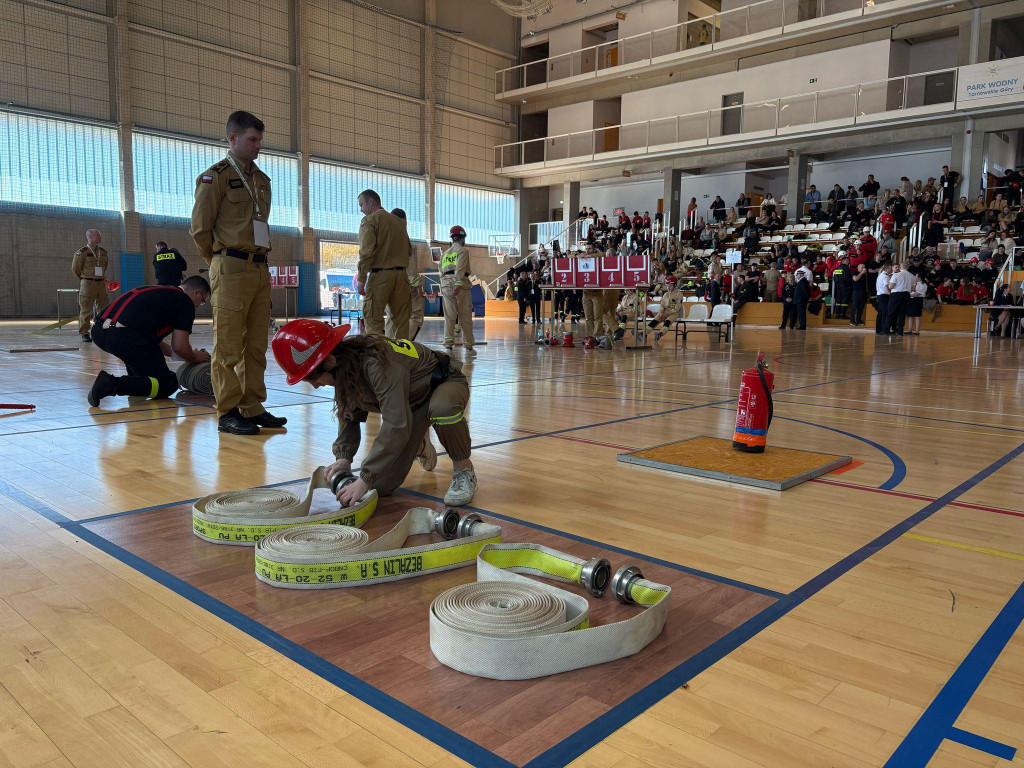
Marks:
<point>57,162</point>
<point>481,212</point>
<point>166,170</point>
<point>334,190</point>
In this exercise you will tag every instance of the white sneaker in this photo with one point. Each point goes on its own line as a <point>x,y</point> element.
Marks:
<point>427,456</point>
<point>462,489</point>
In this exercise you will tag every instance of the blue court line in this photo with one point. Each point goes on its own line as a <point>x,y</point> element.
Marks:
<point>597,730</point>
<point>980,743</point>
<point>591,734</point>
<point>899,468</point>
<point>602,545</point>
<point>936,723</point>
<point>901,415</point>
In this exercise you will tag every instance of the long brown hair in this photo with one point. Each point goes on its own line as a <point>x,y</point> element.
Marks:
<point>351,389</point>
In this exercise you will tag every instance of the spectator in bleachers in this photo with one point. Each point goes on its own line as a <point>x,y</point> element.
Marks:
<point>851,200</point>
<point>997,202</point>
<point>869,187</point>
<point>906,190</point>
<point>881,201</point>
<point>733,217</point>
<point>718,209</point>
<point>647,220</point>
<point>988,246</point>
<point>813,200</point>
<point>713,290</point>
<point>929,189</point>
<point>691,208</point>
<point>768,204</point>
<point>745,290</point>
<point>771,283</point>
<point>946,292</point>
<point>859,217</point>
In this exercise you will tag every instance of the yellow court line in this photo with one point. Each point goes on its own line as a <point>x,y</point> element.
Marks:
<point>958,545</point>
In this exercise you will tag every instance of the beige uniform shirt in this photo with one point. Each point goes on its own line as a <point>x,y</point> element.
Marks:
<point>672,301</point>
<point>383,243</point>
<point>400,386</point>
<point>455,265</point>
<point>86,260</point>
<point>223,211</point>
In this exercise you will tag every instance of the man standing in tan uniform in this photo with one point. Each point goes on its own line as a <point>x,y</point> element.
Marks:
<point>90,267</point>
<point>415,290</point>
<point>230,227</point>
<point>384,251</point>
<point>456,293</point>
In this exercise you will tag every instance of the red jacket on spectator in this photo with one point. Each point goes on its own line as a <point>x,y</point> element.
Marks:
<point>830,264</point>
<point>782,282</point>
<point>687,235</point>
<point>647,222</point>
<point>623,220</point>
<point>945,292</point>
<point>980,293</point>
<point>888,222</point>
<point>726,283</point>
<point>637,222</point>
<point>867,246</point>
<point>815,291</point>
<point>965,293</point>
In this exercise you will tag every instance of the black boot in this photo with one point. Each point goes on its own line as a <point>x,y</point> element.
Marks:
<point>235,423</point>
<point>267,420</point>
<point>102,387</point>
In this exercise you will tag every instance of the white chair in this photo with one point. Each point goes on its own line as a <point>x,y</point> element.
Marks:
<point>777,238</point>
<point>721,320</point>
<point>837,236</point>
<point>830,248</point>
<point>791,227</point>
<point>691,298</point>
<point>974,229</point>
<point>798,227</point>
<point>696,315</point>
<point>812,236</point>
<point>801,248</point>
<point>966,242</point>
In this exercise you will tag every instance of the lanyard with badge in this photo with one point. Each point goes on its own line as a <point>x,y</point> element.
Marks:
<point>260,228</point>
<point>97,269</point>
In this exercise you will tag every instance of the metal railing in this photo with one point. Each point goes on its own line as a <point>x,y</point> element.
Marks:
<point>545,232</point>
<point>845,105</point>
<point>571,229</point>
<point>707,33</point>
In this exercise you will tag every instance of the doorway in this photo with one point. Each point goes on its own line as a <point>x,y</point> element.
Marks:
<point>732,114</point>
<point>938,88</point>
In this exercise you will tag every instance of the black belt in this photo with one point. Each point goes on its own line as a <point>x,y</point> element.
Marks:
<point>386,269</point>
<point>256,258</point>
<point>94,279</point>
<point>440,372</point>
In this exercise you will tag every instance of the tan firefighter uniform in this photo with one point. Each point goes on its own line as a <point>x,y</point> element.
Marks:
<point>457,309</point>
<point>384,251</point>
<point>593,311</point>
<point>417,388</point>
<point>633,304</point>
<point>671,305</point>
<point>229,226</point>
<point>610,320</point>
<point>416,303</point>
<point>90,267</point>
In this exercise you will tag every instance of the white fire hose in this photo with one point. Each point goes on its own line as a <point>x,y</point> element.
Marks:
<point>508,627</point>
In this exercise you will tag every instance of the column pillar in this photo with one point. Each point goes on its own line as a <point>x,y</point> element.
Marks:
<point>570,207</point>
<point>796,186</point>
<point>673,189</point>
<point>300,131</point>
<point>131,226</point>
<point>430,113</point>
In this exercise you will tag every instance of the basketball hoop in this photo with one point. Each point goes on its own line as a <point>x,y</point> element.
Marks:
<point>500,256</point>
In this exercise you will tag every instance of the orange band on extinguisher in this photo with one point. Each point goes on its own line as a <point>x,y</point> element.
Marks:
<point>751,440</point>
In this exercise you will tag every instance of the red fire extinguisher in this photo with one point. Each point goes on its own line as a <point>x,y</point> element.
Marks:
<point>754,409</point>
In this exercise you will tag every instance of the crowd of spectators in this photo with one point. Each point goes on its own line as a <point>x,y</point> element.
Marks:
<point>804,277</point>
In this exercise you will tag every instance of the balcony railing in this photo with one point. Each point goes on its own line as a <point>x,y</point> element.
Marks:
<point>834,107</point>
<point>712,32</point>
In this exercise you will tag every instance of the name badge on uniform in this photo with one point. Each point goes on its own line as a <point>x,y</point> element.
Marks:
<point>261,234</point>
<point>99,271</point>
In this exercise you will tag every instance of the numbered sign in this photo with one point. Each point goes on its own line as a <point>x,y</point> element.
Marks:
<point>637,270</point>
<point>610,271</point>
<point>586,272</point>
<point>563,273</point>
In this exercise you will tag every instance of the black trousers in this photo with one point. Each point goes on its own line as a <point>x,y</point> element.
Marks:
<point>801,314</point>
<point>898,311</point>
<point>522,310</point>
<point>840,301</point>
<point>789,315</point>
<point>148,374</point>
<point>535,308</point>
<point>857,304</point>
<point>882,308</point>
<point>559,300</point>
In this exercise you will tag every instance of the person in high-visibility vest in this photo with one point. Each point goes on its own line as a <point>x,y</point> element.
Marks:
<point>455,291</point>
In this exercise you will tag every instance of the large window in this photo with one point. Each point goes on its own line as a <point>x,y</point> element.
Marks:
<point>334,189</point>
<point>166,170</point>
<point>480,212</point>
<point>57,162</point>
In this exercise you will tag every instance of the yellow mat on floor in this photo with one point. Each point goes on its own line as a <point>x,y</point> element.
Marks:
<point>776,468</point>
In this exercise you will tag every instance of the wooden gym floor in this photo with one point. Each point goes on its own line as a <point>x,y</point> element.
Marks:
<point>894,640</point>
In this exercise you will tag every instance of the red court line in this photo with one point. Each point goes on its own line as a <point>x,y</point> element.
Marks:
<point>578,440</point>
<point>964,505</point>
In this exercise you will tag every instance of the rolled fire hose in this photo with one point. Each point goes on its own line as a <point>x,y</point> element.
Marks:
<point>245,517</point>
<point>195,377</point>
<point>329,556</point>
<point>508,627</point>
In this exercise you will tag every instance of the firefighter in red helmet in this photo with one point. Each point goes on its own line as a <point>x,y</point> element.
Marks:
<point>455,291</point>
<point>411,386</point>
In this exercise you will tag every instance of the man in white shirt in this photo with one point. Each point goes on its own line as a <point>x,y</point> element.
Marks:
<point>900,285</point>
<point>882,299</point>
<point>803,268</point>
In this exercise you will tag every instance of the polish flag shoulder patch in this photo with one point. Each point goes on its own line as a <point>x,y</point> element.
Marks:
<point>207,179</point>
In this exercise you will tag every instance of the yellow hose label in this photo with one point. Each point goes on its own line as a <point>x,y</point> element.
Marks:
<point>386,567</point>
<point>237,532</point>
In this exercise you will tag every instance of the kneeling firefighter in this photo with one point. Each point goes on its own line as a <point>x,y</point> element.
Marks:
<point>411,386</point>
